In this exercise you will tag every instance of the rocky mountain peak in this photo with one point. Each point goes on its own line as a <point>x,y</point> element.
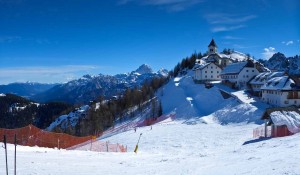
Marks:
<point>144,69</point>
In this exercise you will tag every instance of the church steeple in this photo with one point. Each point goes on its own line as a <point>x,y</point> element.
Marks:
<point>212,47</point>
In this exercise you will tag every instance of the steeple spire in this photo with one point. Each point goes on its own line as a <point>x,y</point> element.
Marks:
<point>212,47</point>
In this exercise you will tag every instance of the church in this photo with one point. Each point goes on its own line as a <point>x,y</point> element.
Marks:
<point>209,67</point>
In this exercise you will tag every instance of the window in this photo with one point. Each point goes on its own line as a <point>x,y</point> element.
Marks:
<point>217,72</point>
<point>252,70</point>
<point>293,95</point>
<point>247,76</point>
<point>205,71</point>
<point>211,76</point>
<point>211,71</point>
<point>211,67</point>
<point>246,70</point>
<point>205,76</point>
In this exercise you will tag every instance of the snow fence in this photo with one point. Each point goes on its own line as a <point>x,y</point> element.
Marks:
<point>99,146</point>
<point>33,136</point>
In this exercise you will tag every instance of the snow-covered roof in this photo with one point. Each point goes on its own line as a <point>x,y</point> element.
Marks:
<point>234,68</point>
<point>279,83</point>
<point>203,65</point>
<point>2,95</point>
<point>200,66</point>
<point>264,76</point>
<point>289,118</point>
<point>234,56</point>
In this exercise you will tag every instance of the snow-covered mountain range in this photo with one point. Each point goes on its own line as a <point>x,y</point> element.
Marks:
<point>89,87</point>
<point>27,89</point>
<point>280,62</point>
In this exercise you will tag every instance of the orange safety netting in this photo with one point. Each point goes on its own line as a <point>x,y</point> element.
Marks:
<point>99,146</point>
<point>33,136</point>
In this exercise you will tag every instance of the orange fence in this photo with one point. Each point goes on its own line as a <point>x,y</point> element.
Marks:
<point>275,131</point>
<point>33,136</point>
<point>99,146</point>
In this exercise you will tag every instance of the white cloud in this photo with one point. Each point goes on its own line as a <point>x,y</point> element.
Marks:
<point>226,28</point>
<point>170,5</point>
<point>226,18</point>
<point>268,52</point>
<point>44,74</point>
<point>289,42</point>
<point>232,38</point>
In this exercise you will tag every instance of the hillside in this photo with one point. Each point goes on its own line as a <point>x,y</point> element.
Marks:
<point>16,112</point>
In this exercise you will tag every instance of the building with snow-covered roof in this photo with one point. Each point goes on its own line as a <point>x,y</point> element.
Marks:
<point>222,60</point>
<point>207,72</point>
<point>282,121</point>
<point>259,80</point>
<point>237,75</point>
<point>281,91</point>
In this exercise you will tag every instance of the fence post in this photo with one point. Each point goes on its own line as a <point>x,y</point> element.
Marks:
<point>58,143</point>
<point>15,154</point>
<point>106,146</point>
<point>265,127</point>
<point>4,140</point>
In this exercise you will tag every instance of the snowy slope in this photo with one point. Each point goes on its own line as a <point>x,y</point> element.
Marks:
<point>207,137</point>
<point>170,148</point>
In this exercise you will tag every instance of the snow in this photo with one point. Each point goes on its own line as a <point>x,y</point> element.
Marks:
<point>261,78</point>
<point>279,83</point>
<point>207,137</point>
<point>234,68</point>
<point>289,118</point>
<point>2,95</point>
<point>169,148</point>
<point>72,118</point>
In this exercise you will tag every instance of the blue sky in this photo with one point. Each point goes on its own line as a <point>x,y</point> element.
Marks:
<point>59,40</point>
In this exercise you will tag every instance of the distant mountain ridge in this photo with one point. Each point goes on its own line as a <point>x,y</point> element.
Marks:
<point>280,62</point>
<point>90,87</point>
<point>27,89</point>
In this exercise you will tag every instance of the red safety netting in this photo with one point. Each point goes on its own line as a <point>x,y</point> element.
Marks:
<point>33,136</point>
<point>272,131</point>
<point>99,146</point>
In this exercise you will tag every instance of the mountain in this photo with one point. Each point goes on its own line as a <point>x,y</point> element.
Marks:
<point>90,87</point>
<point>279,62</point>
<point>27,89</point>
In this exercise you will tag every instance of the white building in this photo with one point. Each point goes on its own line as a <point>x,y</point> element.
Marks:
<point>237,75</point>
<point>261,79</point>
<point>281,91</point>
<point>207,72</point>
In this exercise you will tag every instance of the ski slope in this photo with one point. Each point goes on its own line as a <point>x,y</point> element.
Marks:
<point>206,138</point>
<point>169,148</point>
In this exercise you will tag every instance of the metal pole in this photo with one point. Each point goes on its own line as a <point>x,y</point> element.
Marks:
<point>15,154</point>
<point>4,140</point>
